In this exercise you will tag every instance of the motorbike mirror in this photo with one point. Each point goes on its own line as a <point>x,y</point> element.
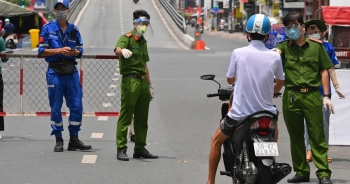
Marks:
<point>208,77</point>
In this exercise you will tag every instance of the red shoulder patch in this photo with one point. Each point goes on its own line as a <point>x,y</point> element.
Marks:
<point>316,40</point>
<point>41,40</point>
<point>128,34</point>
<point>136,38</point>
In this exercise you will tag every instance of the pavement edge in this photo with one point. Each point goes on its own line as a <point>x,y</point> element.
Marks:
<point>184,38</point>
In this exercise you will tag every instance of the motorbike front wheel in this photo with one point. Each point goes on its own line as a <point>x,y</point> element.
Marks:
<point>264,172</point>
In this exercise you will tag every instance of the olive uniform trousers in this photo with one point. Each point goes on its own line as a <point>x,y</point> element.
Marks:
<point>306,105</point>
<point>135,100</point>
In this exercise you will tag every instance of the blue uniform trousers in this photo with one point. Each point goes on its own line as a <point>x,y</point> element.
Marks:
<point>67,86</point>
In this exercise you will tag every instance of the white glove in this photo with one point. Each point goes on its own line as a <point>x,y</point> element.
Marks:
<point>151,89</point>
<point>340,93</point>
<point>276,50</point>
<point>327,104</point>
<point>126,53</point>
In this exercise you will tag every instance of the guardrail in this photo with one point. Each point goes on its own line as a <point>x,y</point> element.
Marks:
<point>178,19</point>
<point>72,6</point>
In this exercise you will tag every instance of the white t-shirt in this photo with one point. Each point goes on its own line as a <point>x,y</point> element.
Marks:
<point>254,67</point>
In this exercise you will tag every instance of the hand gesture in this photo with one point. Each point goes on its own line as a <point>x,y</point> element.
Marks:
<point>327,104</point>
<point>151,89</point>
<point>340,93</point>
<point>65,51</point>
<point>126,53</point>
<point>74,52</point>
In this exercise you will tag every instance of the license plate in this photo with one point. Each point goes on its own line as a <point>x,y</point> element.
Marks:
<point>265,149</point>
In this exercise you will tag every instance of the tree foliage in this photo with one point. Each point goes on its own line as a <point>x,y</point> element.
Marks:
<point>19,2</point>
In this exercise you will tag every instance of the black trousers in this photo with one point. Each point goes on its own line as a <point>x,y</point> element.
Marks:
<point>2,124</point>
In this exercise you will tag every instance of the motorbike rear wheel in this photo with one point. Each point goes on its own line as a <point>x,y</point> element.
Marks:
<point>264,172</point>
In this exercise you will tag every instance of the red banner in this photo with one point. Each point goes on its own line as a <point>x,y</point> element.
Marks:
<point>336,15</point>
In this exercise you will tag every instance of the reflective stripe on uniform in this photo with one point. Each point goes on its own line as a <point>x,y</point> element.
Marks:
<point>74,123</point>
<point>57,124</point>
<point>43,45</point>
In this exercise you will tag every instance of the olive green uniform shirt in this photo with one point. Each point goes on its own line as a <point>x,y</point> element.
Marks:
<point>2,48</point>
<point>138,46</point>
<point>302,64</point>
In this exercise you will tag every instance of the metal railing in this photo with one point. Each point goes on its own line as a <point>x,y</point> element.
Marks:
<point>26,93</point>
<point>73,5</point>
<point>178,19</point>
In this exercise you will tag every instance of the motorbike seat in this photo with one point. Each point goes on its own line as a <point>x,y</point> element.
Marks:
<point>254,116</point>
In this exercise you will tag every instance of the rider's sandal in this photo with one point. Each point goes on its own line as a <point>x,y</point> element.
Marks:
<point>330,160</point>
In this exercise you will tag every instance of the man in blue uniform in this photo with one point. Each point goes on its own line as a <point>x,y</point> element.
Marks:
<point>61,44</point>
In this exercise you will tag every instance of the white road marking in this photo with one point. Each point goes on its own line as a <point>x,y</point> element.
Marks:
<point>107,105</point>
<point>115,79</point>
<point>112,86</point>
<point>167,26</point>
<point>97,135</point>
<point>110,94</point>
<point>81,12</point>
<point>35,49</point>
<point>89,159</point>
<point>102,118</point>
<point>121,17</point>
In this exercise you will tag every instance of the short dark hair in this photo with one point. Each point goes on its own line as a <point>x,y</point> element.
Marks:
<point>256,36</point>
<point>292,17</point>
<point>140,13</point>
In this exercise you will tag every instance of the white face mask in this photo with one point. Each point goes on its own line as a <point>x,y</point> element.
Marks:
<point>141,29</point>
<point>316,36</point>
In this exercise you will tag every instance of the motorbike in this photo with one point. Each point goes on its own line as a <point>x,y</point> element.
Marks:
<point>239,27</point>
<point>11,41</point>
<point>135,1</point>
<point>248,154</point>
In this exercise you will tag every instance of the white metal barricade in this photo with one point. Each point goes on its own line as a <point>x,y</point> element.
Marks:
<point>25,87</point>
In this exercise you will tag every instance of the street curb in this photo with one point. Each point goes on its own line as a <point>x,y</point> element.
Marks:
<point>184,38</point>
<point>76,11</point>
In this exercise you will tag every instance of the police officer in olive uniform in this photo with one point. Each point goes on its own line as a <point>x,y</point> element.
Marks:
<point>305,64</point>
<point>136,87</point>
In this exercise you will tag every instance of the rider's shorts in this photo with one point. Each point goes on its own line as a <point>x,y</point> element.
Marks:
<point>228,125</point>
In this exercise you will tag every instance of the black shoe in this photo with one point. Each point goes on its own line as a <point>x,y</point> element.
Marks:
<point>75,143</point>
<point>59,145</point>
<point>132,136</point>
<point>121,155</point>
<point>144,154</point>
<point>298,179</point>
<point>325,180</point>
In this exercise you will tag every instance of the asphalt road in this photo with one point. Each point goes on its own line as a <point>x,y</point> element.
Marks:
<point>181,122</point>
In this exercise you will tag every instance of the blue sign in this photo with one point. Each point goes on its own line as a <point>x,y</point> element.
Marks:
<point>276,36</point>
<point>216,9</point>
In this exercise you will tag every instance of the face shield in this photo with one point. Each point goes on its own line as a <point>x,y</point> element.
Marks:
<point>143,27</point>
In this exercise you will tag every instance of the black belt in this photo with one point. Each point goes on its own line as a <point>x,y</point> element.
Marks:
<point>303,89</point>
<point>134,76</point>
<point>62,62</point>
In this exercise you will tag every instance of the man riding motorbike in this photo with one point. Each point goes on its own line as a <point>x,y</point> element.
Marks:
<point>9,28</point>
<point>254,85</point>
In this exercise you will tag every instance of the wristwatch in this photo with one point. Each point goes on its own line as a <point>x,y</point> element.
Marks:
<point>327,95</point>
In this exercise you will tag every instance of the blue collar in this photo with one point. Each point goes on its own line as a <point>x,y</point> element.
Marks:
<point>58,27</point>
